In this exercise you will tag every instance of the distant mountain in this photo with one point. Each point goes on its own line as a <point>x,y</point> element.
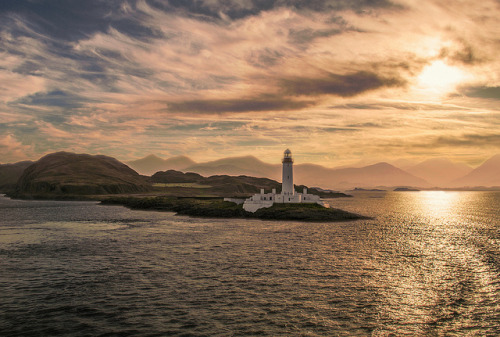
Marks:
<point>403,163</point>
<point>487,175</point>
<point>439,171</point>
<point>79,174</point>
<point>381,174</point>
<point>247,165</point>
<point>10,173</point>
<point>151,164</point>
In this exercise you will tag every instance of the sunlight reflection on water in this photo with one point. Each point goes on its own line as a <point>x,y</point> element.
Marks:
<point>427,264</point>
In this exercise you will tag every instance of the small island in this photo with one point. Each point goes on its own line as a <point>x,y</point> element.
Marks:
<point>359,189</point>
<point>218,208</point>
<point>406,189</point>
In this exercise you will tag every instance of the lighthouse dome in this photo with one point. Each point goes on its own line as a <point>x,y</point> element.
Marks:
<point>287,156</point>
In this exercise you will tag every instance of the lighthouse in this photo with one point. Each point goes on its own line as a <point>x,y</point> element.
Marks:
<point>287,195</point>
<point>287,178</point>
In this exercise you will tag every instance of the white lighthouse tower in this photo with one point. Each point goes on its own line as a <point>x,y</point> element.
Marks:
<point>287,195</point>
<point>287,178</point>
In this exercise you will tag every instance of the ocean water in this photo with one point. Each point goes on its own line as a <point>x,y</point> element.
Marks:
<point>427,264</point>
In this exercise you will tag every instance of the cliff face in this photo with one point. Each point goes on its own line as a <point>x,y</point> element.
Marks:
<point>79,174</point>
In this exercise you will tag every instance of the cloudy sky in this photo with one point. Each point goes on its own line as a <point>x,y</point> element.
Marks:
<point>336,81</point>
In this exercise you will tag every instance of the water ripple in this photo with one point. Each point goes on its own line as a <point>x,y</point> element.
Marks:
<point>427,265</point>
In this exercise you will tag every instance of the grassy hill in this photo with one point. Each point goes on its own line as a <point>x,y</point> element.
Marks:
<point>64,173</point>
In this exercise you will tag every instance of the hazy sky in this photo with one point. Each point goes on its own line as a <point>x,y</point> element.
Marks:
<point>336,81</point>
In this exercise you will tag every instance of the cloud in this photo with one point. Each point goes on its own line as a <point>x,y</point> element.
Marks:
<point>51,131</point>
<point>468,140</point>
<point>340,85</point>
<point>308,35</point>
<point>410,106</point>
<point>14,86</point>
<point>483,92</point>
<point>125,77</point>
<point>72,20</point>
<point>240,9</point>
<point>13,150</point>
<point>262,103</point>
<point>463,52</point>
<point>55,98</point>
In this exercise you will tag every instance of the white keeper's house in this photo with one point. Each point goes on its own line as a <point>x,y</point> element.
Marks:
<point>287,195</point>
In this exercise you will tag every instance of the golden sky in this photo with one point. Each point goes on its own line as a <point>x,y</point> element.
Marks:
<point>338,82</point>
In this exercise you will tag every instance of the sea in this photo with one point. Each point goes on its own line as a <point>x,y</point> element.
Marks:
<point>426,264</point>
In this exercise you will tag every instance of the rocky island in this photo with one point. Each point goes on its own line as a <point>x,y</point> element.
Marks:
<point>218,208</point>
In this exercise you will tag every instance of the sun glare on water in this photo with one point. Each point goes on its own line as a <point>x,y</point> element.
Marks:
<point>438,78</point>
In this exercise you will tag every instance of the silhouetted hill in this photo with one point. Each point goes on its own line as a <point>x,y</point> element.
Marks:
<point>152,164</point>
<point>229,186</point>
<point>64,173</point>
<point>172,176</point>
<point>246,165</point>
<point>439,171</point>
<point>487,175</point>
<point>221,185</point>
<point>10,174</point>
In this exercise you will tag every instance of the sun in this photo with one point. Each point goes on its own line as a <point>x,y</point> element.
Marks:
<point>440,78</point>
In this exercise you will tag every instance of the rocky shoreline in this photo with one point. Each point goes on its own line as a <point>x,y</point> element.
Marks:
<point>218,208</point>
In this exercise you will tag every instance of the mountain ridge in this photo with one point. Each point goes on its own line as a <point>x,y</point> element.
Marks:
<point>151,164</point>
<point>487,174</point>
<point>434,172</point>
<point>439,171</point>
